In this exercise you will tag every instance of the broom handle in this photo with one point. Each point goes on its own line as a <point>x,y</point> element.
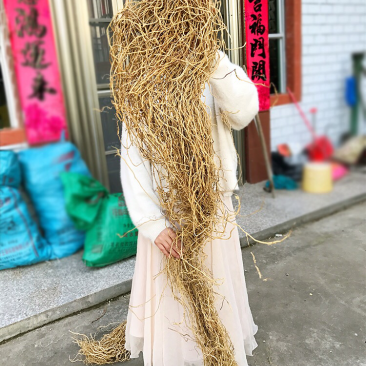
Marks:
<point>258,125</point>
<point>307,122</point>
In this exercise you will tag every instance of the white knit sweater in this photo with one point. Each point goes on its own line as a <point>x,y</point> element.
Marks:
<point>227,91</point>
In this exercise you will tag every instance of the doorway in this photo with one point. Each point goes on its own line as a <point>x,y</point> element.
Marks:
<point>4,113</point>
<point>100,13</point>
<point>81,29</point>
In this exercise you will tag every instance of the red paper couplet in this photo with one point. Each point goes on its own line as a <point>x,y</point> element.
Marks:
<point>256,30</point>
<point>37,70</point>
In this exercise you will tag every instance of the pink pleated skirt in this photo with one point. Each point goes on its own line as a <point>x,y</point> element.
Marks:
<point>155,321</point>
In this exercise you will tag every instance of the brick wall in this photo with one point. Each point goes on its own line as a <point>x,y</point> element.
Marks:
<point>331,31</point>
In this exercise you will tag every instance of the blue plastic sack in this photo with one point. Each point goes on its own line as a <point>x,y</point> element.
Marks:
<point>20,241</point>
<point>41,169</point>
<point>9,169</point>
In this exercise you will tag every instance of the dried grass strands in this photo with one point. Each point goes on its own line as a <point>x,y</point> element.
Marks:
<point>110,349</point>
<point>162,53</point>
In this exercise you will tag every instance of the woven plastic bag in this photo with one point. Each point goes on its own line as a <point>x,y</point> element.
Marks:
<point>83,198</point>
<point>20,241</point>
<point>9,169</point>
<point>111,235</point>
<point>41,169</point>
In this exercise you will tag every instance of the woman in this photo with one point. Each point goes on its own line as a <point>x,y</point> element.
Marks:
<point>155,323</point>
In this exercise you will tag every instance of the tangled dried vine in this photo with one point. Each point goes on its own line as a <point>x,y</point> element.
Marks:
<point>162,53</point>
<point>110,349</point>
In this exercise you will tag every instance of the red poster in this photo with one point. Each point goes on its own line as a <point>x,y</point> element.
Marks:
<point>256,30</point>
<point>37,69</point>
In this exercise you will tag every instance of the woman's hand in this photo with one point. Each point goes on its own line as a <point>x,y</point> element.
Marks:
<point>167,242</point>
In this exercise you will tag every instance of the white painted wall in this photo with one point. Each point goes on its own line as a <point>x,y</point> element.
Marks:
<point>331,31</point>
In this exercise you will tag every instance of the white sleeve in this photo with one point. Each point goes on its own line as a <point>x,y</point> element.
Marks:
<point>137,184</point>
<point>234,92</point>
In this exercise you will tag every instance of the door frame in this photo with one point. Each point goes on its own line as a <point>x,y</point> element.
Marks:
<point>233,11</point>
<point>75,53</point>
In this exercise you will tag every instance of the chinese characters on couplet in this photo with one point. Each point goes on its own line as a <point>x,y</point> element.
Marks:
<point>33,55</point>
<point>40,87</point>
<point>36,69</point>
<point>27,23</point>
<point>257,5</point>
<point>33,52</point>
<point>257,50</point>
<point>259,70</point>
<point>256,26</point>
<point>28,2</point>
<point>257,47</point>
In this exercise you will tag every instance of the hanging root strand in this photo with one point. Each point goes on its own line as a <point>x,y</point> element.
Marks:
<point>110,349</point>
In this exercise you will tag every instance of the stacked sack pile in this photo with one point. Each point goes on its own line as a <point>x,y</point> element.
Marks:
<point>72,210</point>
<point>22,242</point>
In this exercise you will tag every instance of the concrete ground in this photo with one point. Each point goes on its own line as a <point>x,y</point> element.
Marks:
<point>48,291</point>
<point>310,304</point>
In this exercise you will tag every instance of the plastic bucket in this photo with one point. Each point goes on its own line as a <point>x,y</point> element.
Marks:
<point>317,178</point>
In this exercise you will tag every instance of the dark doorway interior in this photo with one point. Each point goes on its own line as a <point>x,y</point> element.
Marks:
<point>4,115</point>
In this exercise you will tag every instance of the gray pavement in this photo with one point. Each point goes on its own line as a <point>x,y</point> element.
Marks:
<point>310,304</point>
<point>39,294</point>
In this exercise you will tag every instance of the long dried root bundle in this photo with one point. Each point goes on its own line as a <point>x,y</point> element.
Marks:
<point>163,52</point>
<point>110,349</point>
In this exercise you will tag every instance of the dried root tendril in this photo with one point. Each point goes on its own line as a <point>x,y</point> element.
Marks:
<point>110,349</point>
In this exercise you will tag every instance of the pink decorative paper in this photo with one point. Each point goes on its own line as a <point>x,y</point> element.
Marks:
<point>256,30</point>
<point>37,69</point>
